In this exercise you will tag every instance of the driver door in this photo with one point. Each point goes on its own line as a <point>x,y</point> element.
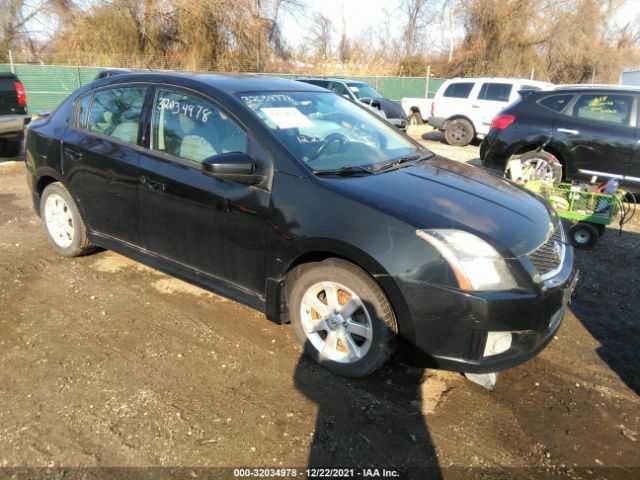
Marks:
<point>217,227</point>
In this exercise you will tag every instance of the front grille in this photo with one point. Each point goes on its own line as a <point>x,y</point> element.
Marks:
<point>550,255</point>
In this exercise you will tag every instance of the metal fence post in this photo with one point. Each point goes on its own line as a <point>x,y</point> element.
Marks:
<point>13,68</point>
<point>426,84</point>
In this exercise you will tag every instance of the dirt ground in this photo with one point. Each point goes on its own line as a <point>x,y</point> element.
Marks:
<point>105,363</point>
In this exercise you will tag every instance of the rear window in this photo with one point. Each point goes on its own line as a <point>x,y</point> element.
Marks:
<point>498,92</point>
<point>318,83</point>
<point>603,107</point>
<point>458,90</point>
<point>557,103</point>
<point>116,112</point>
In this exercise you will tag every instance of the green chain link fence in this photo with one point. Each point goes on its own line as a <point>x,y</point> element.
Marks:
<point>48,85</point>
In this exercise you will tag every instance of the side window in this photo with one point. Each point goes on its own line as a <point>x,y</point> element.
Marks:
<point>498,92</point>
<point>116,112</point>
<point>557,103</point>
<point>340,89</point>
<point>83,109</point>
<point>458,90</point>
<point>191,128</point>
<point>603,107</point>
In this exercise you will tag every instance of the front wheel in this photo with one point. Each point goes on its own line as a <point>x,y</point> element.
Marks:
<point>62,222</point>
<point>341,317</point>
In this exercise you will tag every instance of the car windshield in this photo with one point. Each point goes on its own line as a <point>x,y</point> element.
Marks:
<point>363,90</point>
<point>328,133</point>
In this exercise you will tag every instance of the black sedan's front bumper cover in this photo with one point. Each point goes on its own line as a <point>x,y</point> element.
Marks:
<point>450,327</point>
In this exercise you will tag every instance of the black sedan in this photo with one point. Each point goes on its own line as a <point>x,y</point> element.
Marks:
<point>299,203</point>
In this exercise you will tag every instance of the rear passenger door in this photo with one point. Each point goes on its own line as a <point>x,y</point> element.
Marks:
<point>216,227</point>
<point>493,97</point>
<point>100,154</point>
<point>599,131</point>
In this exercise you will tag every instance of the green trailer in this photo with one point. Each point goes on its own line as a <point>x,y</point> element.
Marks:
<point>589,210</point>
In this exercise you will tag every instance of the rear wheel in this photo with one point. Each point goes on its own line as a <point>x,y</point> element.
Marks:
<point>62,222</point>
<point>541,166</point>
<point>459,132</point>
<point>341,317</point>
<point>415,118</point>
<point>583,235</point>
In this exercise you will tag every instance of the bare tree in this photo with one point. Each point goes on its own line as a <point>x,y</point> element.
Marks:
<point>321,32</point>
<point>344,47</point>
<point>413,13</point>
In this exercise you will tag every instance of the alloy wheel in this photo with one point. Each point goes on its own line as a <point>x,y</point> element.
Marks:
<point>336,322</point>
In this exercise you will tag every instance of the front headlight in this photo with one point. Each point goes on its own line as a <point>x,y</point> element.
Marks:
<point>475,263</point>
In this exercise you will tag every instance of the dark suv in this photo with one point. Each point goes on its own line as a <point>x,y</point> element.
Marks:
<point>363,93</point>
<point>591,130</point>
<point>13,114</point>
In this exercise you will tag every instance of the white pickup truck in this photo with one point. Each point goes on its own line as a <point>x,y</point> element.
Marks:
<point>464,107</point>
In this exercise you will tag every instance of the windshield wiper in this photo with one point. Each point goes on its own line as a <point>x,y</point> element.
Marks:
<point>344,171</point>
<point>409,158</point>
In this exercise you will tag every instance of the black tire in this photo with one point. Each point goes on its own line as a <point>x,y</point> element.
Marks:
<point>79,242</point>
<point>583,235</point>
<point>554,169</point>
<point>415,118</point>
<point>459,132</point>
<point>383,325</point>
<point>10,148</point>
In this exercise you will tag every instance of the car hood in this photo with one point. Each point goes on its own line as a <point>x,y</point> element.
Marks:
<point>390,108</point>
<point>441,193</point>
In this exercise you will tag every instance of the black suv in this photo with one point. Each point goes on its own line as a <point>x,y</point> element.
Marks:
<point>13,114</point>
<point>591,130</point>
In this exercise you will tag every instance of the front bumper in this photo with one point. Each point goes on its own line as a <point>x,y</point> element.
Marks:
<point>13,125</point>
<point>450,327</point>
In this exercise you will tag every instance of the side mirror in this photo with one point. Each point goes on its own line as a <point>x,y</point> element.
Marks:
<point>234,166</point>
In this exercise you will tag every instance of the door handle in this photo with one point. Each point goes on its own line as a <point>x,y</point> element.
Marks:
<point>152,184</point>
<point>475,106</point>
<point>568,131</point>
<point>72,154</point>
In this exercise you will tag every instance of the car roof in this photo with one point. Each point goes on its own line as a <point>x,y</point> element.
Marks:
<point>587,87</point>
<point>498,79</point>
<point>330,79</point>
<point>230,83</point>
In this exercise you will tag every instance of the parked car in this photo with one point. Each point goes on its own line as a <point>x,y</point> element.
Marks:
<point>464,107</point>
<point>13,114</point>
<point>299,203</point>
<point>416,109</point>
<point>592,131</point>
<point>110,72</point>
<point>361,92</point>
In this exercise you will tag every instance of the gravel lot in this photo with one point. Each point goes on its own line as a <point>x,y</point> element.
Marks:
<point>107,363</point>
